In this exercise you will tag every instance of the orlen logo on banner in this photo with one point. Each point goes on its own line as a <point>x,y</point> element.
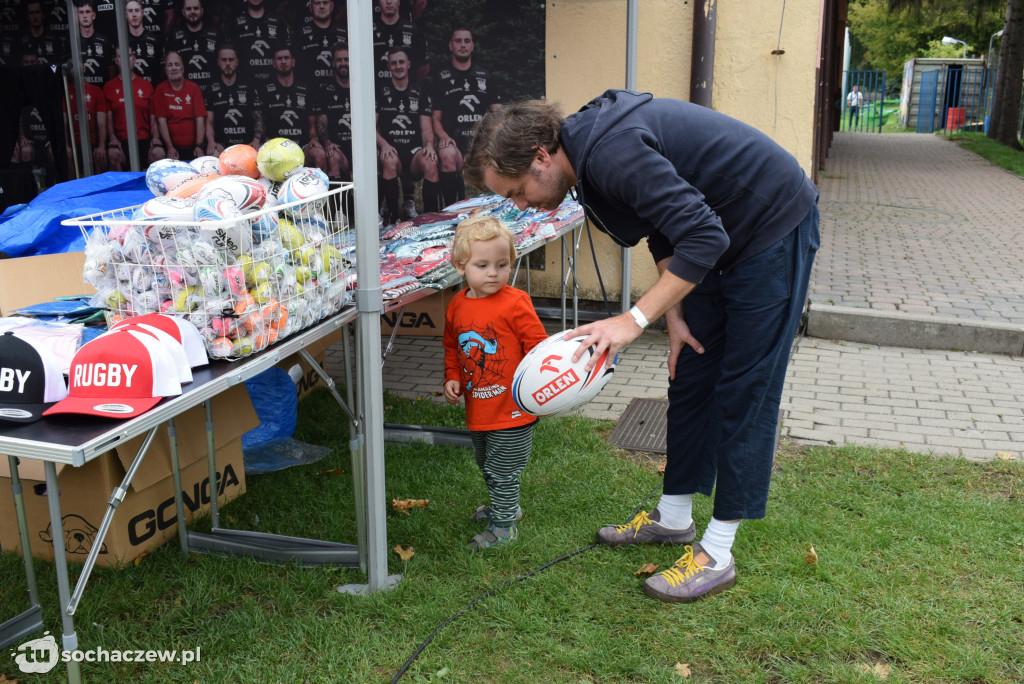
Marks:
<point>560,384</point>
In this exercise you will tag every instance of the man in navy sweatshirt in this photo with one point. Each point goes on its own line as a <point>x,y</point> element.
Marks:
<point>732,223</point>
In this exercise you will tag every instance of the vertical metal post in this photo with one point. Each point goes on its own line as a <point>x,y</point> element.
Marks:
<point>69,641</point>
<point>211,461</point>
<point>179,504</point>
<point>632,19</point>
<point>83,116</point>
<point>26,545</point>
<point>131,145</point>
<point>368,293</point>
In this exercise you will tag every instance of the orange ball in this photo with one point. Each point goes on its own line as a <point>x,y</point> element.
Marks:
<point>192,186</point>
<point>239,160</point>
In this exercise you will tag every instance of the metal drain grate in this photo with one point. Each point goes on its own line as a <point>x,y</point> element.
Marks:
<point>642,426</point>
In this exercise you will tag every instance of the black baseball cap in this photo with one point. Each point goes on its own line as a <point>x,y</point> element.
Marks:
<point>31,379</point>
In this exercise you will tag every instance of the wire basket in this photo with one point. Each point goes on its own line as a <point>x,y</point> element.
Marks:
<point>244,277</point>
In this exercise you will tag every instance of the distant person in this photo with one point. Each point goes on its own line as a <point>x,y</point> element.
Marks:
<point>233,106</point>
<point>489,327</point>
<point>117,123</point>
<point>315,38</point>
<point>332,146</point>
<point>391,31</point>
<point>196,43</point>
<point>97,50</point>
<point>146,45</point>
<point>37,39</point>
<point>286,106</point>
<point>405,141</point>
<point>461,93</point>
<point>854,101</point>
<point>180,114</point>
<point>255,32</point>
<point>96,111</point>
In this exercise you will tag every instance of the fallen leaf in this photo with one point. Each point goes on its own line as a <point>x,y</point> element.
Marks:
<point>404,554</point>
<point>1005,456</point>
<point>140,557</point>
<point>646,569</point>
<point>335,471</point>
<point>405,505</point>
<point>661,469</point>
<point>232,519</point>
<point>683,670</point>
<point>812,557</point>
<point>879,670</point>
<point>3,678</point>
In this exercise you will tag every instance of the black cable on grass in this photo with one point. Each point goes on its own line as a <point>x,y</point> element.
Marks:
<point>509,583</point>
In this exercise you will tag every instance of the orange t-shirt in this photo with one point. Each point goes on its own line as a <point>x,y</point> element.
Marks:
<point>484,341</point>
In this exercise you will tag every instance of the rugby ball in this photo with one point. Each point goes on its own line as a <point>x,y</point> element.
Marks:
<point>207,164</point>
<point>192,186</point>
<point>165,209</point>
<point>279,158</point>
<point>245,192</point>
<point>239,160</point>
<point>548,383</point>
<point>215,215</point>
<point>306,184</point>
<point>165,175</point>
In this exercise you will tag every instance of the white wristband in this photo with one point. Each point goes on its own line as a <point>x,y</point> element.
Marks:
<point>639,317</point>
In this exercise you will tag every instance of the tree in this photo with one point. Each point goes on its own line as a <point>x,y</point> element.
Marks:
<point>1006,103</point>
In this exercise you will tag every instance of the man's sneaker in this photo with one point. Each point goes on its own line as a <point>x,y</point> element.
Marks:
<point>493,536</point>
<point>409,209</point>
<point>692,577</point>
<point>484,513</point>
<point>645,528</point>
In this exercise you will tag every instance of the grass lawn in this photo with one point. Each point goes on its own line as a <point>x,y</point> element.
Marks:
<point>998,154</point>
<point>918,576</point>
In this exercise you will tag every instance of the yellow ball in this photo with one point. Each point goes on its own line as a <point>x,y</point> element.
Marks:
<point>246,262</point>
<point>291,238</point>
<point>262,293</point>
<point>279,158</point>
<point>184,299</point>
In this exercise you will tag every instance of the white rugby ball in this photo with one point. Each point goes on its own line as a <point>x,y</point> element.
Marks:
<point>303,186</point>
<point>245,192</point>
<point>166,174</point>
<point>206,164</point>
<point>223,225</point>
<point>548,383</point>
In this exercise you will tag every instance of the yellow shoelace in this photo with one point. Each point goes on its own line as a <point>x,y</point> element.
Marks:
<point>683,569</point>
<point>638,521</point>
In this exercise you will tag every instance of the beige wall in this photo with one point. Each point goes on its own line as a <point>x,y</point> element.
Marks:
<point>586,54</point>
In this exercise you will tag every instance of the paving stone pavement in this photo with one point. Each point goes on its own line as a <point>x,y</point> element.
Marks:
<point>909,223</point>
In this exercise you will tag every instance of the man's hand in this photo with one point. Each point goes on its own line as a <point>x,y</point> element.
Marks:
<point>679,336</point>
<point>609,334</point>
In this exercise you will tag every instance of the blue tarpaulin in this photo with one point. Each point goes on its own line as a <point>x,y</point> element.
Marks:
<point>36,227</point>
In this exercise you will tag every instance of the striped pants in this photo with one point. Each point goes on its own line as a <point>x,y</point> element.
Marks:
<point>501,455</point>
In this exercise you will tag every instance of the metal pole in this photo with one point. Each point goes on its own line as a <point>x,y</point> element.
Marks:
<point>69,640</point>
<point>83,116</point>
<point>368,293</point>
<point>632,15</point>
<point>132,143</point>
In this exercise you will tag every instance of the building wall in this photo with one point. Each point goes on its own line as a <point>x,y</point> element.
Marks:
<point>586,54</point>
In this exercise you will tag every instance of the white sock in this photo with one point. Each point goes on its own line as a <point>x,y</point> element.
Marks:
<point>676,510</point>
<point>718,539</point>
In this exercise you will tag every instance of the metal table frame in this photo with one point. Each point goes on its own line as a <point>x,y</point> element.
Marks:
<point>75,441</point>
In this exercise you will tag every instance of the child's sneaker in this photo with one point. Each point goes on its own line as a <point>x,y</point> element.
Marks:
<point>493,536</point>
<point>484,513</point>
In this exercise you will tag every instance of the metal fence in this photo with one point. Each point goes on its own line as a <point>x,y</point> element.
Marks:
<point>955,99</point>
<point>863,99</point>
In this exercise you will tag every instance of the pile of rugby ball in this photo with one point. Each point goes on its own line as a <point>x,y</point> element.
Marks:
<point>239,245</point>
<point>548,383</point>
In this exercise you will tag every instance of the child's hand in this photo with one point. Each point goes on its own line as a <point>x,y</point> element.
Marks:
<point>452,391</point>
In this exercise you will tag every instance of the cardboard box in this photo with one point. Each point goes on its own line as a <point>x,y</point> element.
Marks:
<point>423,317</point>
<point>147,517</point>
<point>37,279</point>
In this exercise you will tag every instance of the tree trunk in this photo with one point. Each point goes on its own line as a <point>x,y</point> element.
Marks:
<point>1006,103</point>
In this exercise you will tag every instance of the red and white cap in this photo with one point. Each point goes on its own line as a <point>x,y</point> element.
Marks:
<point>119,375</point>
<point>172,346</point>
<point>183,331</point>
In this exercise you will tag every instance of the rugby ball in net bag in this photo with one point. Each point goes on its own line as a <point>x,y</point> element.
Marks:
<point>548,383</point>
<point>245,192</point>
<point>239,160</point>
